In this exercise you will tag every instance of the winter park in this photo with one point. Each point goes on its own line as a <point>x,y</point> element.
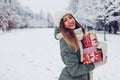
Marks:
<point>28,48</point>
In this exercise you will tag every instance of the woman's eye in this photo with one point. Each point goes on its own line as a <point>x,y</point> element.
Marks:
<point>64,20</point>
<point>70,17</point>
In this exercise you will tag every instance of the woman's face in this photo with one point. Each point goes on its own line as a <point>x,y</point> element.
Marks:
<point>69,21</point>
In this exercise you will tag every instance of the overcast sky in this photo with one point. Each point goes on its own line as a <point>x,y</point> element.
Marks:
<point>46,5</point>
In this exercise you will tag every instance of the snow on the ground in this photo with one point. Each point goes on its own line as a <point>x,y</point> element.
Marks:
<point>33,54</point>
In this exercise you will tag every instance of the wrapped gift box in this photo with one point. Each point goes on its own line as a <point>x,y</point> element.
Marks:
<point>89,40</point>
<point>89,50</point>
<point>92,55</point>
<point>86,41</point>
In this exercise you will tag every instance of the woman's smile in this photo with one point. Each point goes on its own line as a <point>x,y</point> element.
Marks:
<point>71,24</point>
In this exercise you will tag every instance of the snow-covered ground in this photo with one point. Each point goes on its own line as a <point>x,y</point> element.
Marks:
<point>33,54</point>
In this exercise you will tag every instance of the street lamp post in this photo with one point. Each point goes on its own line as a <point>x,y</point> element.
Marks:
<point>105,7</point>
<point>104,30</point>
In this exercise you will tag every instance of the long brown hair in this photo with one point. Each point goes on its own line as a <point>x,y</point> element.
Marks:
<point>69,35</point>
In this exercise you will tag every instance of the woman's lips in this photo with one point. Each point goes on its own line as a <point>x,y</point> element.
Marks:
<point>71,24</point>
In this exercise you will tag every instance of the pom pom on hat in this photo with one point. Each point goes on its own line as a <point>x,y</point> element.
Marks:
<point>59,15</point>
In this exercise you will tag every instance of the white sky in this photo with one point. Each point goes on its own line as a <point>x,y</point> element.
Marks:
<point>46,5</point>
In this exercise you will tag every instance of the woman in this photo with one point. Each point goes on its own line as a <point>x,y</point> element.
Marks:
<point>70,33</point>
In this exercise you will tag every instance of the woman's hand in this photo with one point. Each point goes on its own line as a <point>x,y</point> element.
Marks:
<point>98,64</point>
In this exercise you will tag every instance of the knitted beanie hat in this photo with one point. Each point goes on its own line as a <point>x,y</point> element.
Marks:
<point>59,15</point>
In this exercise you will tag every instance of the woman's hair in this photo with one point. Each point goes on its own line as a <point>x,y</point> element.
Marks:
<point>69,35</point>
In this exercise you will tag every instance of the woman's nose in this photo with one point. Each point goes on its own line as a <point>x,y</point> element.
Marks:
<point>69,21</point>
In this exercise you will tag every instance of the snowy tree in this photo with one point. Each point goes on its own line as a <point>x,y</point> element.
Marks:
<point>50,20</point>
<point>13,16</point>
<point>86,13</point>
<point>73,5</point>
<point>9,17</point>
<point>89,12</point>
<point>41,16</point>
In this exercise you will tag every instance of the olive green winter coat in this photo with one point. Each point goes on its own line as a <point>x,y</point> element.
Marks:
<point>74,69</point>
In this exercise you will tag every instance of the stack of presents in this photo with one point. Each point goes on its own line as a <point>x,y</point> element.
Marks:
<point>91,53</point>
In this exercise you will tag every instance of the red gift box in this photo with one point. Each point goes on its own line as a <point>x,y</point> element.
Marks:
<point>86,41</point>
<point>89,39</point>
<point>91,55</point>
